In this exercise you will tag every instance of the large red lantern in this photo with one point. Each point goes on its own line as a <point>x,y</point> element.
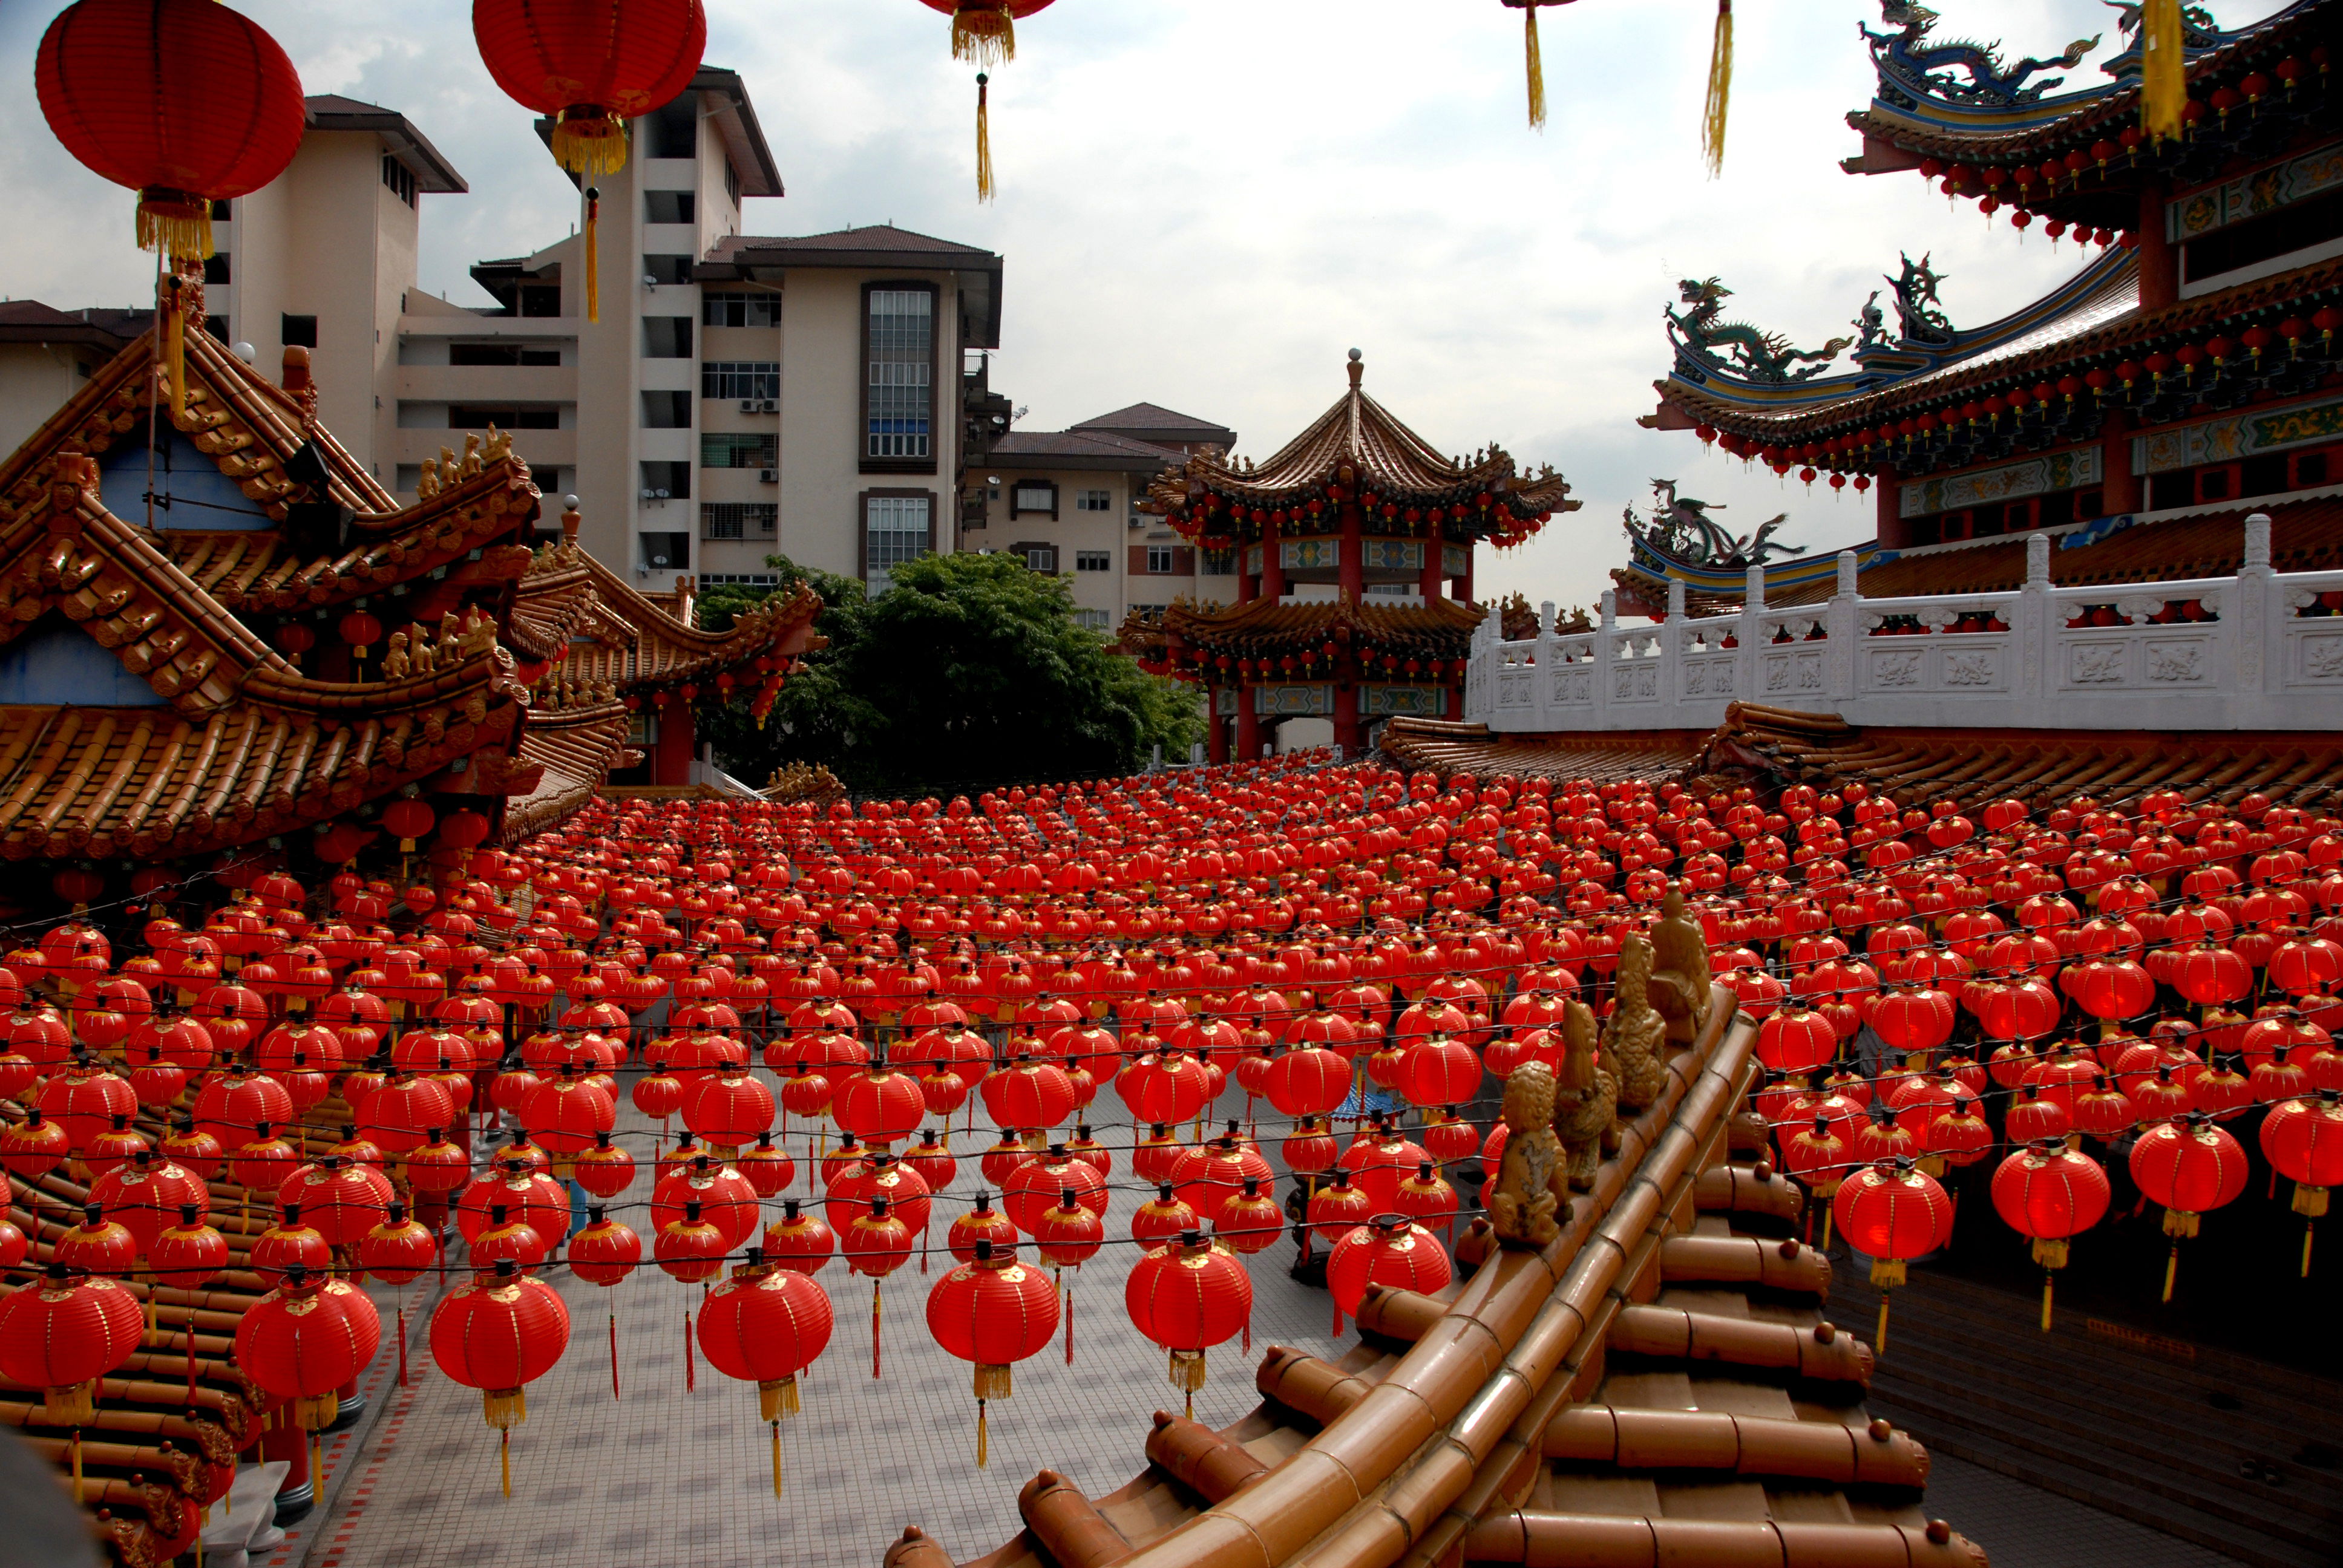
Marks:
<point>1188,1297</point>
<point>1894,1213</point>
<point>1389,1250</point>
<point>994,1312</point>
<point>306,1339</point>
<point>184,101</point>
<point>499,1332</point>
<point>61,1335</point>
<point>765,1325</point>
<point>2190,1166</point>
<point>592,64</point>
<point>2303,1141</point>
<point>2049,1194</point>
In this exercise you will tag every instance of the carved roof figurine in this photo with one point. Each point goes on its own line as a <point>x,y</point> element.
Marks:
<point>176,669</point>
<point>1913,65</point>
<point>1706,344</point>
<point>1681,533</point>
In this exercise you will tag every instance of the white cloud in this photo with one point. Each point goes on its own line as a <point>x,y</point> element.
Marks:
<point>1206,204</point>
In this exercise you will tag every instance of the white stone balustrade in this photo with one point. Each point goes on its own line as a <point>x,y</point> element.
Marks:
<point>2268,655</point>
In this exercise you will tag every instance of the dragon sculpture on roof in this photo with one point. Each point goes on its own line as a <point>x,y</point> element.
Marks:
<point>1705,343</point>
<point>1912,66</point>
<point>1681,530</point>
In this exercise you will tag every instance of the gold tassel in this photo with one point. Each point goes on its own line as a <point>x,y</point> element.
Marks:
<point>2171,1270</point>
<point>591,144</point>
<point>778,1401</point>
<point>982,1456</point>
<point>504,1459</point>
<point>1879,1339</point>
<point>173,223</point>
<point>1537,66</point>
<point>984,188</point>
<point>593,255</point>
<point>2046,1301</point>
<point>2162,88</point>
<point>984,33</point>
<point>777,1458</point>
<point>1720,91</point>
<point>175,349</point>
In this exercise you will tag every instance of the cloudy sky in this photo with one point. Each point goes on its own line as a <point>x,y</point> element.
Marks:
<point>1205,202</point>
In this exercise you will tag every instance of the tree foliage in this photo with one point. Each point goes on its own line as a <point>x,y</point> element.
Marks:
<point>972,670</point>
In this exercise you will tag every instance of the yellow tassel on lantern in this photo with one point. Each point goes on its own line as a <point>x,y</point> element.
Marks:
<point>777,1458</point>
<point>590,140</point>
<point>1720,90</point>
<point>1537,66</point>
<point>593,253</point>
<point>983,140</point>
<point>2162,86</point>
<point>981,1455</point>
<point>173,223</point>
<point>985,33</point>
<point>175,342</point>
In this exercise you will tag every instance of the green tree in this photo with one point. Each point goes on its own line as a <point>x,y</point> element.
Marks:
<point>972,670</point>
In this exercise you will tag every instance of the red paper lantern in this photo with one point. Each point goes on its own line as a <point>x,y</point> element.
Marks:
<point>592,64</point>
<point>1188,1297</point>
<point>2049,1194</point>
<point>61,1335</point>
<point>994,1312</point>
<point>499,1332</point>
<point>184,101</point>
<point>306,1339</point>
<point>1387,1251</point>
<point>2190,1166</point>
<point>1894,1213</point>
<point>765,1325</point>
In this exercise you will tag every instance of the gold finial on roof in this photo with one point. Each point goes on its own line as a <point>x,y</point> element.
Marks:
<point>1358,368</point>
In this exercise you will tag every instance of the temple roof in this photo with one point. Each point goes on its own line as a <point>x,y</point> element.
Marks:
<point>1440,629</point>
<point>574,749</point>
<point>572,607</point>
<point>1362,446</point>
<point>1447,748</point>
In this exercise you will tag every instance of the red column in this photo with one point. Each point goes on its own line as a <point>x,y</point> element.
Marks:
<point>290,1444</point>
<point>1428,583</point>
<point>1347,727</point>
<point>1888,521</point>
<point>1216,729</point>
<point>1354,555</point>
<point>672,753</point>
<point>1248,726</point>
<point>2121,490</point>
<point>1462,590</point>
<point>2159,259</point>
<point>1272,564</point>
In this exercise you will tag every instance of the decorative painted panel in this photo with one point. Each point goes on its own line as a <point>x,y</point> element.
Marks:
<point>1252,561</point>
<point>1307,555</point>
<point>2035,477</point>
<point>1455,560</point>
<point>1394,555</point>
<point>1224,702</point>
<point>1406,701</point>
<point>2252,195</point>
<point>1294,701</point>
<point>2221,440</point>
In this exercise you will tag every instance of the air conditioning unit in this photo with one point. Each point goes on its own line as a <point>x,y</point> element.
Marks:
<point>773,405</point>
<point>748,404</point>
<point>768,475</point>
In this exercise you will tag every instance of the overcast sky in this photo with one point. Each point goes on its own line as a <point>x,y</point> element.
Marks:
<point>1205,202</point>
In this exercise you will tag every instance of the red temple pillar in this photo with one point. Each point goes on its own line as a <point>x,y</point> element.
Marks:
<point>1427,582</point>
<point>1248,726</point>
<point>672,753</point>
<point>1216,729</point>
<point>289,1443</point>
<point>1888,521</point>
<point>2159,258</point>
<point>1460,590</point>
<point>1272,564</point>
<point>1346,718</point>
<point>1354,555</point>
<point>2119,489</point>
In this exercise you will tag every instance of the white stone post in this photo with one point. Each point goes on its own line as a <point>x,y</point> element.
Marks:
<point>1745,668</point>
<point>2035,632</point>
<point>1842,622</point>
<point>1606,622</point>
<point>2261,608</point>
<point>1541,678</point>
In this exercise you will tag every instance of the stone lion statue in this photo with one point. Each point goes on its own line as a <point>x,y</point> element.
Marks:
<point>1530,1182</point>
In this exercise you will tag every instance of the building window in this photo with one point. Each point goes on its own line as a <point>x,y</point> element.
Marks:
<point>548,482</point>
<point>668,206</point>
<point>746,579</point>
<point>739,520</point>
<point>666,410</point>
<point>735,451</point>
<point>667,336</point>
<point>504,417</point>
<point>1162,560</point>
<point>667,481</point>
<point>1158,561</point>
<point>1093,500</point>
<point>672,130</point>
<point>666,268</point>
<point>216,268</point>
<point>900,336</point>
<point>1094,560</point>
<point>1042,557</point>
<point>398,179</point>
<point>223,212</point>
<point>664,552</point>
<point>1033,495</point>
<point>740,310</point>
<point>540,300</point>
<point>500,354</point>
<point>298,331</point>
<point>895,528</point>
<point>1095,619</point>
<point>725,379</point>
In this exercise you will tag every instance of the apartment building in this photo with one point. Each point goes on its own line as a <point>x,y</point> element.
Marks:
<point>737,397</point>
<point>1067,501</point>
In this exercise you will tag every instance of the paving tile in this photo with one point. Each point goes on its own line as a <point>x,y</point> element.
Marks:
<point>2023,1526</point>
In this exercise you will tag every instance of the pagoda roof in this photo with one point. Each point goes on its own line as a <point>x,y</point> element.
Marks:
<point>1386,457</point>
<point>1447,747</point>
<point>258,434</point>
<point>574,749</point>
<point>1440,629</point>
<point>572,609</point>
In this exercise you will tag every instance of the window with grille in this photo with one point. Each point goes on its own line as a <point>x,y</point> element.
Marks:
<point>1033,495</point>
<point>1094,560</point>
<point>739,520</point>
<point>738,451</point>
<point>1042,557</point>
<point>729,309</point>
<point>398,179</point>
<point>895,529</point>
<point>1094,500</point>
<point>1096,620</point>
<point>730,378</point>
<point>1158,561</point>
<point>901,336</point>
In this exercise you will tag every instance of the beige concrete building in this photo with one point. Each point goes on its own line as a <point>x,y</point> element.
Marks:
<point>1067,501</point>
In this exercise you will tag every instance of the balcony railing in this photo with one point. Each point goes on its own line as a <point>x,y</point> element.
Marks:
<point>2260,651</point>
